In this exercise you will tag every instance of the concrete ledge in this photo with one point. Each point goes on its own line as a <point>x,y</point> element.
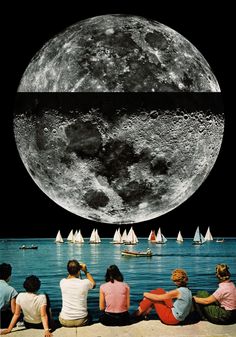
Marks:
<point>152,328</point>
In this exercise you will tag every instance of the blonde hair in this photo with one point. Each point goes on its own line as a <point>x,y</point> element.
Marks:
<point>222,272</point>
<point>180,277</point>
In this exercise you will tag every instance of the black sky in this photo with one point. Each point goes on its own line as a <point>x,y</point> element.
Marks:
<point>26,210</point>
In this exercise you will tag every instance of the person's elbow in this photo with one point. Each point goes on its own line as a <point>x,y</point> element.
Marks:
<point>94,284</point>
<point>102,307</point>
<point>13,305</point>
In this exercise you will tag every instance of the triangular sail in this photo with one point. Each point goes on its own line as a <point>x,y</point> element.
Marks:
<point>92,236</point>
<point>160,238</point>
<point>70,236</point>
<point>198,237</point>
<point>117,236</point>
<point>59,237</point>
<point>179,237</point>
<point>79,238</point>
<point>131,237</point>
<point>124,236</point>
<point>152,236</point>
<point>97,237</point>
<point>208,236</point>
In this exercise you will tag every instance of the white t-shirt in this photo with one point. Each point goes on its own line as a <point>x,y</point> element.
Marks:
<point>74,298</point>
<point>31,305</point>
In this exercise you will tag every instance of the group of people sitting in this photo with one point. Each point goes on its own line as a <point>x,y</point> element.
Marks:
<point>172,307</point>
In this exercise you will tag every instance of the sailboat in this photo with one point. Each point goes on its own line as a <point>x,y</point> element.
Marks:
<point>131,238</point>
<point>117,239</point>
<point>94,238</point>
<point>152,237</point>
<point>198,238</point>
<point>208,236</point>
<point>70,237</point>
<point>79,238</point>
<point>59,238</point>
<point>160,238</point>
<point>124,236</point>
<point>179,238</point>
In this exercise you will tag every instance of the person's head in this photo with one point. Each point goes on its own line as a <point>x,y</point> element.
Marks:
<point>32,284</point>
<point>113,273</point>
<point>73,267</point>
<point>180,277</point>
<point>222,272</point>
<point>5,271</point>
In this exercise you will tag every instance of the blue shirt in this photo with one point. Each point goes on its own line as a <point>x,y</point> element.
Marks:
<point>183,304</point>
<point>7,293</point>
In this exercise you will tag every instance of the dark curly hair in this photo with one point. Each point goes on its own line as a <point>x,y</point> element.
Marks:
<point>32,284</point>
<point>5,271</point>
<point>113,273</point>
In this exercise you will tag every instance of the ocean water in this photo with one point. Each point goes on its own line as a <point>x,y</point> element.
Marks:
<point>49,261</point>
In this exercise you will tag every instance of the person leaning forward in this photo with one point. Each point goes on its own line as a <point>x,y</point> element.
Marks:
<point>74,292</point>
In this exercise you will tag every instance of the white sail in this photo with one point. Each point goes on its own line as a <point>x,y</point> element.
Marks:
<point>208,236</point>
<point>95,238</point>
<point>179,237</point>
<point>124,236</point>
<point>198,238</point>
<point>59,238</point>
<point>79,238</point>
<point>70,236</point>
<point>131,237</point>
<point>160,238</point>
<point>117,236</point>
<point>92,236</point>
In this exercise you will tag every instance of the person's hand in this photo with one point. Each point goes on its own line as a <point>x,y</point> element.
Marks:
<point>83,267</point>
<point>4,331</point>
<point>47,333</point>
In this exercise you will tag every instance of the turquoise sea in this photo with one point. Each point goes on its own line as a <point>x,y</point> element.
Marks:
<point>49,261</point>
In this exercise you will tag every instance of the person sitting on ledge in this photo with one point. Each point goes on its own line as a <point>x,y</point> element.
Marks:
<point>114,299</point>
<point>7,296</point>
<point>169,312</point>
<point>74,291</point>
<point>34,307</point>
<point>220,307</point>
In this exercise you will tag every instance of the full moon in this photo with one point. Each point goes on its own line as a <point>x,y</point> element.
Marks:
<point>118,119</point>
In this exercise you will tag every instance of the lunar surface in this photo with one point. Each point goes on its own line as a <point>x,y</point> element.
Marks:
<point>117,158</point>
<point>118,119</point>
<point>118,53</point>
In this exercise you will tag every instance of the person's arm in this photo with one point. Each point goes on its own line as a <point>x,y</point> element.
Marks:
<point>102,303</point>
<point>13,321</point>
<point>13,305</point>
<point>128,298</point>
<point>154,297</point>
<point>44,318</point>
<point>205,300</point>
<point>88,275</point>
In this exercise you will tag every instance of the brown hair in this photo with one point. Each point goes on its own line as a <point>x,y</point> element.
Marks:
<point>222,272</point>
<point>73,267</point>
<point>180,277</point>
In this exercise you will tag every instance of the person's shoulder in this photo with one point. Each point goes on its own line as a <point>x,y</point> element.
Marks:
<point>126,284</point>
<point>63,280</point>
